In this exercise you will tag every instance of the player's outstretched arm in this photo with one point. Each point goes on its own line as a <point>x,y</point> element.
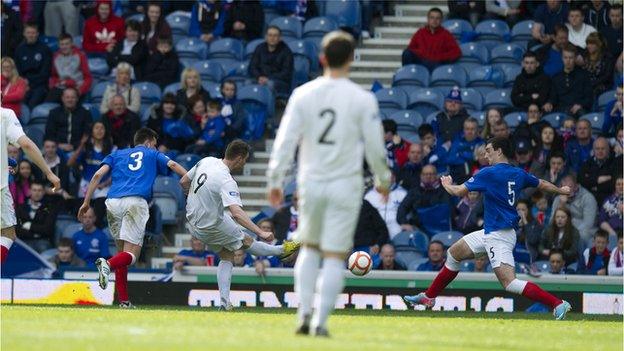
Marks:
<point>34,154</point>
<point>91,188</point>
<point>175,167</point>
<point>549,187</point>
<point>243,219</point>
<point>455,190</point>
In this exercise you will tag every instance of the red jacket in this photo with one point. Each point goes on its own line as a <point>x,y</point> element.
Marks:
<point>13,94</point>
<point>439,46</point>
<point>401,152</point>
<point>97,35</point>
<point>72,76</point>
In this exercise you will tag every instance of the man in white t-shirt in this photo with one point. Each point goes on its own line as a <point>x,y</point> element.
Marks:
<point>11,133</point>
<point>388,207</point>
<point>578,30</point>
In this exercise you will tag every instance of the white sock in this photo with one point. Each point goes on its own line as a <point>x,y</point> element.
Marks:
<point>330,285</point>
<point>306,272</point>
<point>258,248</point>
<point>516,286</point>
<point>224,279</point>
<point>5,241</point>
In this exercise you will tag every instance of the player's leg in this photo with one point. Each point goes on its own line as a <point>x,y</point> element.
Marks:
<point>259,248</point>
<point>224,277</point>
<point>8,223</point>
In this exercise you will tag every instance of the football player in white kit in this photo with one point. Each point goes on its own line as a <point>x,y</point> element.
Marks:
<point>211,189</point>
<point>335,123</point>
<point>11,132</point>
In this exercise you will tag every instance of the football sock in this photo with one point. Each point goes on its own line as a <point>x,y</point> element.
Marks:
<point>330,285</point>
<point>121,259</point>
<point>535,293</point>
<point>306,272</point>
<point>121,283</point>
<point>258,248</point>
<point>224,279</point>
<point>5,246</point>
<point>440,282</point>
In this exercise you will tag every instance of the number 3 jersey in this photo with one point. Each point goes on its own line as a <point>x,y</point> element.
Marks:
<point>501,185</point>
<point>212,190</point>
<point>134,171</point>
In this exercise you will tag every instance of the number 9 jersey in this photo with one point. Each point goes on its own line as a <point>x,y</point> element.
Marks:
<point>134,171</point>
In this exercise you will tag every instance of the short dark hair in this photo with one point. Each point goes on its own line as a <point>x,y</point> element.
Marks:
<point>193,100</point>
<point>169,98</point>
<point>389,125</point>
<point>144,134</point>
<point>554,251</point>
<point>237,148</point>
<point>164,39</point>
<point>529,54</point>
<point>471,120</point>
<point>435,242</point>
<point>556,154</point>
<point>31,24</point>
<point>617,7</point>
<point>503,144</point>
<point>338,47</point>
<point>424,130</point>
<point>228,81</point>
<point>74,89</point>
<point>577,9</point>
<point>213,104</point>
<point>602,234</point>
<point>134,25</point>
<point>274,27</point>
<point>65,36</point>
<point>560,28</point>
<point>66,242</point>
<point>37,182</point>
<point>435,9</point>
<point>569,48</point>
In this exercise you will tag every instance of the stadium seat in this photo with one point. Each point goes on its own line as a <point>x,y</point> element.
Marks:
<point>51,42</point>
<point>474,53</point>
<point>492,31</point>
<point>409,118</point>
<point>447,238</point>
<point>347,14</point>
<point>150,92</point>
<point>432,117</point>
<point>213,88</point>
<point>251,47</point>
<point>78,41</point>
<point>97,92</point>
<point>542,266</point>
<point>41,112</point>
<point>49,254</point>
<point>35,133</point>
<point>420,241</point>
<point>98,66</point>
<point>259,94</point>
<point>605,98</point>
<point>411,75</point>
<point>307,49</point>
<point>596,119</point>
<point>179,22</point>
<point>479,116</point>
<point>507,53</point>
<point>514,119</point>
<point>510,71</point>
<point>521,31</point>
<point>301,70</point>
<point>555,119</point>
<point>498,99</point>
<point>226,48</point>
<point>69,230</point>
<point>407,257</point>
<point>457,27</point>
<point>472,99</point>
<point>394,98</point>
<point>291,27</point>
<point>187,161</point>
<point>170,187</point>
<point>613,240</point>
<point>192,48</point>
<point>209,70</point>
<point>317,27</point>
<point>415,263</point>
<point>237,71</point>
<point>172,88</point>
<point>574,266</point>
<point>401,240</point>
<point>168,208</point>
<point>467,266</point>
<point>136,17</point>
<point>486,76</point>
<point>425,101</point>
<point>449,75</point>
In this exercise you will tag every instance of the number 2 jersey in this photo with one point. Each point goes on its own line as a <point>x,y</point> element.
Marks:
<point>501,185</point>
<point>212,190</point>
<point>134,171</point>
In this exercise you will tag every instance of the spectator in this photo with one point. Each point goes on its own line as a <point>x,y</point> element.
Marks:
<point>613,113</point>
<point>529,230</point>
<point>618,142</point>
<point>210,141</point>
<point>123,88</point>
<point>398,148</point>
<point>561,234</point>
<point>190,85</point>
<point>461,154</point>
<point>162,65</point>
<point>434,153</point>
<point>469,213</point>
<point>66,257</point>
<point>557,262</point>
<point>11,30</point>
<point>154,27</point>
<point>286,220</point>
<point>173,124</point>
<point>547,16</point>
<point>245,20</point>
<point>435,253</point>
<point>596,259</point>
<point>14,87</point>
<point>532,85</point>
<point>501,130</point>
<point>207,20</point>
<point>549,142</point>
<point>409,174</point>
<point>557,168</point>
<point>610,217</point>
<point>540,210</point>
<point>261,263</point>
<point>388,261</point>
<point>432,45</point>
<point>449,123</point>
<point>232,110</point>
<point>20,188</point>
<point>102,30</point>
<point>371,231</point>
<point>480,264</point>
<point>33,63</point>
<point>272,62</point>
<point>578,150</point>
<point>613,32</point>
<point>388,208</point>
<point>598,172</point>
<point>196,256</point>
<point>121,122</point>
<point>531,129</point>
<point>90,242</point>
<point>581,204</point>
<point>597,14</point>
<point>571,91</point>
<point>482,160</point>
<point>471,11</point>
<point>492,116</point>
<point>70,69</point>
<point>551,55</point>
<point>242,259</point>
<point>523,154</point>
<point>577,29</point>
<point>68,123</point>
<point>61,17</point>
<point>131,50</point>
<point>36,219</point>
<point>59,167</point>
<point>599,63</point>
<point>508,10</point>
<point>615,262</point>
<point>426,206</point>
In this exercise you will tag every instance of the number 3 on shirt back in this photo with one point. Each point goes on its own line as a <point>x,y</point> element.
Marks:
<point>138,161</point>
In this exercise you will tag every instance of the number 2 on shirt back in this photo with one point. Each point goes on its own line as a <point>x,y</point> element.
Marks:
<point>138,161</point>
<point>332,115</point>
<point>511,192</point>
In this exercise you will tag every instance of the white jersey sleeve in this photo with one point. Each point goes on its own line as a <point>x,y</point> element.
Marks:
<point>374,148</point>
<point>10,132</point>
<point>230,194</point>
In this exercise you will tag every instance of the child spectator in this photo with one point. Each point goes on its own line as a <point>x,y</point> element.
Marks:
<point>154,26</point>
<point>529,230</point>
<point>398,148</point>
<point>232,110</point>
<point>540,210</point>
<point>14,87</point>
<point>596,259</point>
<point>469,213</point>
<point>20,188</point>
<point>212,125</point>
<point>433,151</point>
<point>70,69</point>
<point>567,130</point>
<point>196,256</point>
<point>615,262</point>
<point>90,243</point>
<point>132,50</point>
<point>162,65</point>
<point>561,234</point>
<point>173,124</point>
<point>65,256</point>
<point>103,30</point>
<point>610,216</point>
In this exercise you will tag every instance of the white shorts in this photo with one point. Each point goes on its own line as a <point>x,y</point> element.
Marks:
<point>226,235</point>
<point>7,212</point>
<point>127,217</point>
<point>328,213</point>
<point>498,245</point>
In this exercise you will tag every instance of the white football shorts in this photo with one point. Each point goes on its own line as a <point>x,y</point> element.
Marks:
<point>226,235</point>
<point>127,217</point>
<point>7,213</point>
<point>498,245</point>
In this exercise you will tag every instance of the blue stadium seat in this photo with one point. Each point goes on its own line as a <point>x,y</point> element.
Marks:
<point>24,116</point>
<point>51,42</point>
<point>213,88</point>
<point>402,241</point>
<point>192,48</point>
<point>98,66</point>
<point>136,17</point>
<point>474,53</point>
<point>447,238</point>
<point>555,119</point>
<point>407,258</point>
<point>498,99</point>
<point>457,27</point>
<point>507,53</point>
<point>596,119</point>
<point>484,90</point>
<point>511,71</point>
<point>420,241</point>
<point>78,41</point>
<point>150,92</point>
<point>411,75</point>
<point>479,116</point>
<point>410,135</point>
<point>521,31</point>
<point>605,98</point>
<point>415,263</point>
<point>394,98</point>
<point>307,49</point>
<point>69,230</point>
<point>467,266</point>
<point>513,119</point>
<point>237,71</point>
<point>172,88</point>
<point>209,70</point>
<point>431,117</point>
<point>542,266</point>
<point>36,133</point>
<point>169,186</point>
<point>613,240</point>
<point>187,160</point>
<point>449,75</point>
<point>41,112</point>
<point>226,48</point>
<point>186,62</point>
<point>179,22</point>
<point>226,64</point>
<point>407,118</point>
<point>492,30</point>
<point>291,27</point>
<point>472,99</point>
<point>486,76</point>
<point>301,70</point>
<point>251,47</point>
<point>425,101</point>
<point>347,14</point>
<point>259,94</point>
<point>317,27</point>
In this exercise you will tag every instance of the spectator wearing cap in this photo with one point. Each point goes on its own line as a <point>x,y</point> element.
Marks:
<point>449,123</point>
<point>434,153</point>
<point>523,155</point>
<point>398,148</point>
<point>598,173</point>
<point>409,174</point>
<point>461,154</point>
<point>531,129</point>
<point>547,16</point>
<point>613,32</point>
<point>578,150</point>
<point>432,45</point>
<point>388,261</point>
<point>532,85</point>
<point>435,253</point>
<point>578,30</point>
<point>388,207</point>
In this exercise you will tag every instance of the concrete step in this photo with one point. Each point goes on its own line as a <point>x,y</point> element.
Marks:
<point>404,33</point>
<point>378,55</point>
<point>417,10</point>
<point>261,156</point>
<point>412,22</point>
<point>182,239</point>
<point>160,262</point>
<point>251,180</point>
<point>363,77</point>
<point>248,193</point>
<point>385,43</point>
<point>377,66</point>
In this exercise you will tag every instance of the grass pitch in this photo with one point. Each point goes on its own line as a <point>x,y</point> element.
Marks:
<point>160,328</point>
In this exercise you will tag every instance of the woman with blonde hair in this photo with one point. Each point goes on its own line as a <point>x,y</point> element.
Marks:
<point>492,116</point>
<point>122,87</point>
<point>14,87</point>
<point>190,85</point>
<point>598,62</point>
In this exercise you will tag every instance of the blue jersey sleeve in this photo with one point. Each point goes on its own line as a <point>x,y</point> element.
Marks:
<point>161,162</point>
<point>108,160</point>
<point>477,182</point>
<point>530,181</point>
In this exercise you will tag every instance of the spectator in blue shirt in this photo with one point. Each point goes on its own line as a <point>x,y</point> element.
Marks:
<point>90,243</point>
<point>242,259</point>
<point>388,261</point>
<point>550,55</point>
<point>547,16</point>
<point>435,252</point>
<point>613,113</point>
<point>211,140</point>
<point>207,20</point>
<point>196,256</point>
<point>461,155</point>
<point>596,259</point>
<point>579,149</point>
<point>434,153</point>
<point>557,263</point>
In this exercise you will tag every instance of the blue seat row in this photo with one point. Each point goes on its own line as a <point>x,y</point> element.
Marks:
<point>495,76</point>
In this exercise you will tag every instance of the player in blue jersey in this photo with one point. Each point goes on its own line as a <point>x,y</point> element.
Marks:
<point>134,171</point>
<point>501,183</point>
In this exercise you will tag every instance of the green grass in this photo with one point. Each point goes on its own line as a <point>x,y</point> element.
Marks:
<point>159,328</point>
